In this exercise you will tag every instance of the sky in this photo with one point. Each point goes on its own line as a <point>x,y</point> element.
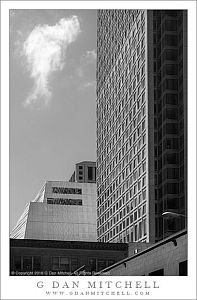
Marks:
<point>52,98</point>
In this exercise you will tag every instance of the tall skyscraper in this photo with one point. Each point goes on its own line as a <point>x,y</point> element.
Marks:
<point>141,124</point>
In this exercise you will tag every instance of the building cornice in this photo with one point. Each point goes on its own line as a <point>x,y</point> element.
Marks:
<point>67,244</point>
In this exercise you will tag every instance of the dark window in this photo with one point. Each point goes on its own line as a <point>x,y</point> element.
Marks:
<point>140,230</point>
<point>99,264</point>
<point>155,53</point>
<point>172,203</point>
<point>36,263</point>
<point>171,99</point>
<point>102,264</point>
<point>171,188</point>
<point>17,263</point>
<point>74,264</point>
<point>171,224</point>
<point>172,173</point>
<point>155,67</point>
<point>27,263</point>
<point>170,114</point>
<point>171,54</point>
<point>183,268</point>
<point>90,173</point>
<point>80,167</point>
<point>171,128</point>
<point>92,263</point>
<point>171,158</point>
<point>55,263</point>
<point>159,272</point>
<point>170,144</point>
<point>111,262</point>
<point>135,228</point>
<point>171,69</point>
<point>123,224</point>
<point>31,263</point>
<point>170,40</point>
<point>171,84</point>
<point>170,25</point>
<point>64,263</point>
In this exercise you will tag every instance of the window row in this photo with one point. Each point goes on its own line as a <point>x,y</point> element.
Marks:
<point>63,190</point>
<point>63,201</point>
<point>137,232</point>
<point>122,217</point>
<point>59,263</point>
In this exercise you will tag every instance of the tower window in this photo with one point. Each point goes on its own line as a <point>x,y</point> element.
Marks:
<point>90,173</point>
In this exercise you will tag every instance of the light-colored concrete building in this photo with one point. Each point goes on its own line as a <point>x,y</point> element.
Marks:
<point>165,258</point>
<point>61,211</point>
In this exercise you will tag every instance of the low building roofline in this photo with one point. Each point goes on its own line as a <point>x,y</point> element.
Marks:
<point>68,244</point>
<point>169,239</point>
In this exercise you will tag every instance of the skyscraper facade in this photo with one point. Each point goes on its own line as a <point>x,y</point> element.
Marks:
<point>141,124</point>
<point>170,119</point>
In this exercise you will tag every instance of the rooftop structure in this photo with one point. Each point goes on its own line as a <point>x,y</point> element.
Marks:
<point>85,171</point>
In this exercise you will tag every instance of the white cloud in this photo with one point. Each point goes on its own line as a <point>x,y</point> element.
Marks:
<point>45,50</point>
<point>85,71</point>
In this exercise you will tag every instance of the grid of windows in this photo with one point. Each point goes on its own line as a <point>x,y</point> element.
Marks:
<point>169,119</point>
<point>63,201</point>
<point>27,263</point>
<point>62,190</point>
<point>128,103</point>
<point>121,126</point>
